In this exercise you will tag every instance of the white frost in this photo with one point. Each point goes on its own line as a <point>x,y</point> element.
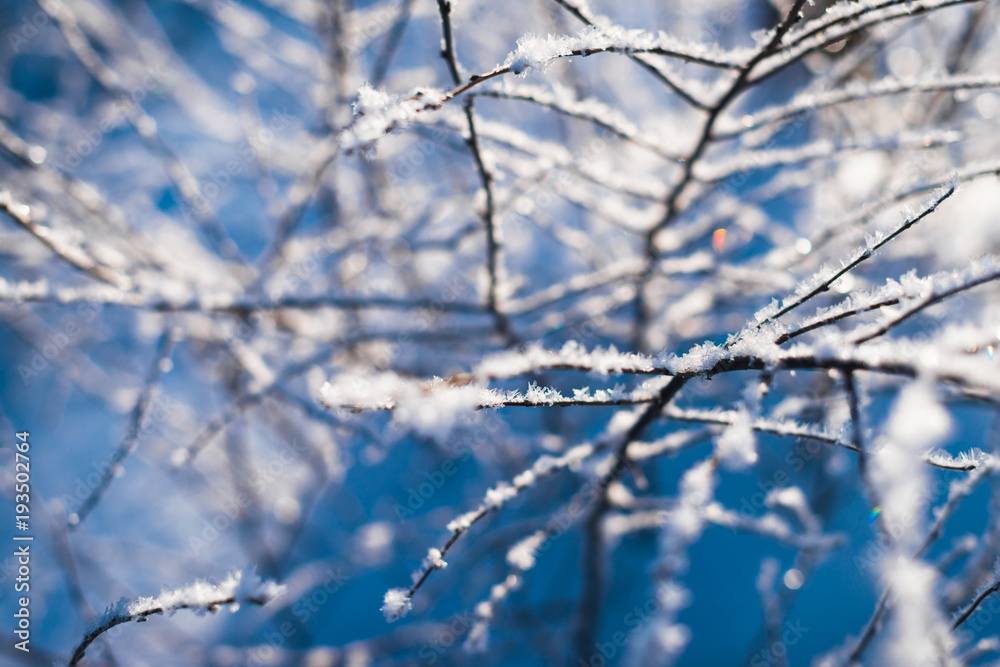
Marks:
<point>737,446</point>
<point>201,596</point>
<point>396,604</point>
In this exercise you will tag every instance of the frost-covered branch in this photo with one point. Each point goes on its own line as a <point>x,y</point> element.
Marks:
<point>874,244</point>
<point>397,600</point>
<point>557,272</point>
<point>493,260</point>
<point>582,12</point>
<point>811,102</point>
<point>63,245</point>
<point>956,494</point>
<point>849,19</point>
<point>561,100</point>
<point>535,52</point>
<point>971,609</point>
<point>981,272</point>
<point>238,588</point>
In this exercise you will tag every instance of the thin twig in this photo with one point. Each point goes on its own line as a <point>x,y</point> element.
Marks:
<point>164,348</point>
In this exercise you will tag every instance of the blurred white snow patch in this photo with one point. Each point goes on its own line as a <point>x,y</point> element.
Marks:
<point>373,543</point>
<point>917,423</point>
<point>904,61</point>
<point>829,346</point>
<point>987,105</point>
<point>364,392</point>
<point>698,484</point>
<point>315,380</point>
<point>603,361</point>
<point>975,205</point>
<point>619,495</point>
<point>377,113</point>
<point>793,579</point>
<point>737,446</point>
<point>462,522</point>
<point>322,656</point>
<point>789,496</point>
<point>685,523</point>
<point>495,497</point>
<point>396,604</point>
<point>768,574</point>
<point>123,399</point>
<point>662,639</point>
<point>23,290</point>
<point>522,554</point>
<point>287,510</point>
<point>918,632</point>
<point>478,640</point>
<point>434,412</point>
<point>622,421</point>
<point>918,418</point>
<point>687,309</point>
<point>253,362</point>
<point>431,407</point>
<point>671,638</point>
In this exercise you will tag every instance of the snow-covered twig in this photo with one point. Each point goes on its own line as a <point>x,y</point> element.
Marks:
<point>61,244</point>
<point>238,588</point>
<point>810,102</point>
<point>397,605</point>
<point>874,244</point>
<point>835,26</point>
<point>582,12</point>
<point>534,52</point>
<point>494,267</point>
<point>957,493</point>
<point>968,611</point>
<point>591,110</point>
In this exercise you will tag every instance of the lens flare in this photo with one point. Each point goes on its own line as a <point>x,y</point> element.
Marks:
<point>718,239</point>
